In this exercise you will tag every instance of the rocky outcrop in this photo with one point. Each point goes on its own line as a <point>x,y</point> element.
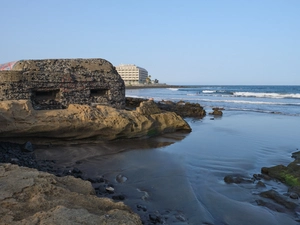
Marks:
<point>216,112</point>
<point>289,175</point>
<point>274,198</point>
<point>56,83</point>
<point>28,196</point>
<point>78,122</point>
<point>184,109</point>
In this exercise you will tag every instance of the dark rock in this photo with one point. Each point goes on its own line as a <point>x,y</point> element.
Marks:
<point>216,112</point>
<point>218,108</point>
<point>260,184</point>
<point>293,195</point>
<point>155,219</point>
<point>272,206</point>
<point>118,197</point>
<point>27,147</point>
<point>183,109</point>
<point>257,176</point>
<point>237,179</point>
<point>76,170</point>
<point>296,155</point>
<point>141,207</point>
<point>280,199</point>
<point>95,180</point>
<point>14,160</point>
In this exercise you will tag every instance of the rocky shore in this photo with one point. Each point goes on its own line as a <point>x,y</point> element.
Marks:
<point>29,196</point>
<point>64,195</point>
<point>18,158</point>
<point>84,123</point>
<point>284,200</point>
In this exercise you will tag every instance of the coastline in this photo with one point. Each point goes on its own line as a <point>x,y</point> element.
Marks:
<point>153,86</point>
<point>155,175</point>
<point>149,177</point>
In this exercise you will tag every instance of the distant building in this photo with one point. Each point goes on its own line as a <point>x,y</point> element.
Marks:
<point>132,74</point>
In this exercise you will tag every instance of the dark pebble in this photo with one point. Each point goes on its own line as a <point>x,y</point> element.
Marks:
<point>76,170</point>
<point>27,147</point>
<point>141,207</point>
<point>260,184</point>
<point>118,197</point>
<point>155,218</point>
<point>293,195</point>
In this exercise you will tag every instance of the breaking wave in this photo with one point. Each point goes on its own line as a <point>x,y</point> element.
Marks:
<point>265,95</point>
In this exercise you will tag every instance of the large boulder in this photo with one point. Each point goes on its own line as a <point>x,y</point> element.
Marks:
<point>28,196</point>
<point>19,119</point>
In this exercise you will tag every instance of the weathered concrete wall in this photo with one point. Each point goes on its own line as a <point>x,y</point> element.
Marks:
<point>56,83</point>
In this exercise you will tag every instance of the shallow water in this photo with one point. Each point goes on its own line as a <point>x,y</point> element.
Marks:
<point>181,175</point>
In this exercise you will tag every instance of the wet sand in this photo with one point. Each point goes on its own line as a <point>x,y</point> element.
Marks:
<point>178,178</point>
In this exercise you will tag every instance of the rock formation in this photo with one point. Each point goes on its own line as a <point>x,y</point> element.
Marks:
<point>217,112</point>
<point>184,109</point>
<point>28,196</point>
<point>19,119</point>
<point>56,83</point>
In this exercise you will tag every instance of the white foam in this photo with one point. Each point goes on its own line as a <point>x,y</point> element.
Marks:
<point>249,102</point>
<point>207,91</point>
<point>265,95</point>
<point>173,89</point>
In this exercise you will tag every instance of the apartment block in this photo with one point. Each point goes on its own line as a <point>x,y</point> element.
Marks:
<point>132,74</point>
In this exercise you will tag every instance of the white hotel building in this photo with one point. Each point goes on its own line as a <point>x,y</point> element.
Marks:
<point>132,74</point>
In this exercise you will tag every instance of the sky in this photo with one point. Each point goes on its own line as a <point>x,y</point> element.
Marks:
<point>217,42</point>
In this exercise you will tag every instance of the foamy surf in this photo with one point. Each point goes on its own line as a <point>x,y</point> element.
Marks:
<point>265,95</point>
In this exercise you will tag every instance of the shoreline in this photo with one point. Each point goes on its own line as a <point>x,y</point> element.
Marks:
<point>154,86</point>
<point>149,180</point>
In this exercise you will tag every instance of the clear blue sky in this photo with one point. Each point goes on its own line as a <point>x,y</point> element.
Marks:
<point>178,42</point>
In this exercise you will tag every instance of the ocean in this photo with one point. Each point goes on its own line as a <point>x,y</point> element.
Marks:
<point>178,178</point>
<point>264,99</point>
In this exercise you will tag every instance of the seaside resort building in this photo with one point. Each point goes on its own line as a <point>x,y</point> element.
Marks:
<point>132,74</point>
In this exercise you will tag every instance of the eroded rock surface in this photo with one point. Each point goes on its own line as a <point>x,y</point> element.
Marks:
<point>28,196</point>
<point>19,119</point>
<point>184,109</point>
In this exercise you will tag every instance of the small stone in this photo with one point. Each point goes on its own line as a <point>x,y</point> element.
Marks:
<point>141,207</point>
<point>27,147</point>
<point>293,195</point>
<point>76,170</point>
<point>256,176</point>
<point>155,218</point>
<point>110,189</point>
<point>14,160</point>
<point>118,197</point>
<point>260,184</point>
<point>121,179</point>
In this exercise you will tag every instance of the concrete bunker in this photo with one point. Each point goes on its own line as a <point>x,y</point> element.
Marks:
<point>56,83</point>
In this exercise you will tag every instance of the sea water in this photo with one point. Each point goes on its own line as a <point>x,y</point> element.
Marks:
<point>266,99</point>
<point>181,176</point>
